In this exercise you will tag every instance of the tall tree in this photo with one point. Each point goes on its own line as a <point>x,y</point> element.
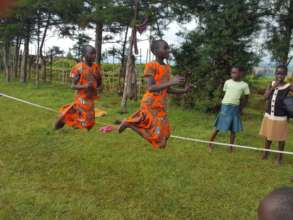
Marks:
<point>81,40</point>
<point>280,30</point>
<point>105,15</point>
<point>223,38</point>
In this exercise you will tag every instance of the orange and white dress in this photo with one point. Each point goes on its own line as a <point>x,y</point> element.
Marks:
<point>151,119</point>
<point>81,113</point>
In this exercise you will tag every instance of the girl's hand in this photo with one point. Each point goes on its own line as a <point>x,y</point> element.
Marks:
<point>276,84</point>
<point>178,80</point>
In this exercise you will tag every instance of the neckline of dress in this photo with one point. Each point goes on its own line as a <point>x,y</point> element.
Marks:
<point>285,86</point>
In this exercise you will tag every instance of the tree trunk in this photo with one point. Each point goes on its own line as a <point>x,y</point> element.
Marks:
<point>37,68</point>
<point>288,36</point>
<point>30,60</point>
<point>128,81</point>
<point>123,66</point>
<point>6,61</point>
<point>287,42</point>
<point>130,63</point>
<point>99,41</point>
<point>126,84</point>
<point>44,69</point>
<point>44,62</point>
<point>17,57</point>
<point>23,73</point>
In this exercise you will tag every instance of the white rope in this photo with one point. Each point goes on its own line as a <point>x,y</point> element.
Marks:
<point>230,145</point>
<point>27,102</point>
<point>172,136</point>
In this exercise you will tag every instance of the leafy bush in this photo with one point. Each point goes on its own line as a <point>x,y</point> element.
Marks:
<point>215,47</point>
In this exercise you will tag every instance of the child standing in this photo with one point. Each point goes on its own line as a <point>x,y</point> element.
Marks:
<point>275,123</point>
<point>232,105</point>
<point>151,121</point>
<point>86,80</point>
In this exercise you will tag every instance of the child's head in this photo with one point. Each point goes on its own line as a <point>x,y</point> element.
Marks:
<point>237,72</point>
<point>161,49</point>
<point>89,53</point>
<point>281,73</point>
<point>278,205</point>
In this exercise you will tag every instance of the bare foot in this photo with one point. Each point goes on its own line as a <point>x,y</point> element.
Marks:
<point>59,124</point>
<point>122,127</point>
<point>162,147</point>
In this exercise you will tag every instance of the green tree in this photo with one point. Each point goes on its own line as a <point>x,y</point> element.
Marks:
<point>81,40</point>
<point>223,38</point>
<point>280,30</point>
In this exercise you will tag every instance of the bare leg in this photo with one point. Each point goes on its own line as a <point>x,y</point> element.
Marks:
<point>212,138</point>
<point>232,140</point>
<point>59,123</point>
<point>163,145</point>
<point>281,148</point>
<point>268,145</point>
<point>122,127</point>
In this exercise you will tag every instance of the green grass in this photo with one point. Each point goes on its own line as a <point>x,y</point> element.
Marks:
<point>74,174</point>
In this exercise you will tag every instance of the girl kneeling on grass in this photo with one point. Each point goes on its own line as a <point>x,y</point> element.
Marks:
<point>151,121</point>
<point>232,106</point>
<point>275,123</point>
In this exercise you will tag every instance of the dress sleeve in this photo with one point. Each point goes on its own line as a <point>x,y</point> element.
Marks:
<point>75,72</point>
<point>149,70</point>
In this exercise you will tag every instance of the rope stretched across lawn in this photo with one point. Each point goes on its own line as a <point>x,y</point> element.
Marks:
<point>172,136</point>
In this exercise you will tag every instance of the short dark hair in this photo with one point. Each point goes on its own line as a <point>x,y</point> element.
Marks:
<point>282,66</point>
<point>156,44</point>
<point>281,202</point>
<point>240,68</point>
<point>85,48</point>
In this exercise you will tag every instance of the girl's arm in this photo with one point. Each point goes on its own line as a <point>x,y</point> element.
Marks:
<point>270,90</point>
<point>152,87</point>
<point>76,86</point>
<point>244,102</point>
<point>179,91</point>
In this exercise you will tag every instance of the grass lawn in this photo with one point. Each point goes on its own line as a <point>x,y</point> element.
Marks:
<point>72,174</point>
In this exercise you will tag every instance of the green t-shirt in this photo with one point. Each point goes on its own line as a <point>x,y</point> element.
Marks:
<point>234,90</point>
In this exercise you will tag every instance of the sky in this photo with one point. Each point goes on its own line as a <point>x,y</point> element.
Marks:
<point>170,36</point>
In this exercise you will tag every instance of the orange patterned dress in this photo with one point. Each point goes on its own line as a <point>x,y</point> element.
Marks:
<point>81,114</point>
<point>151,120</point>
